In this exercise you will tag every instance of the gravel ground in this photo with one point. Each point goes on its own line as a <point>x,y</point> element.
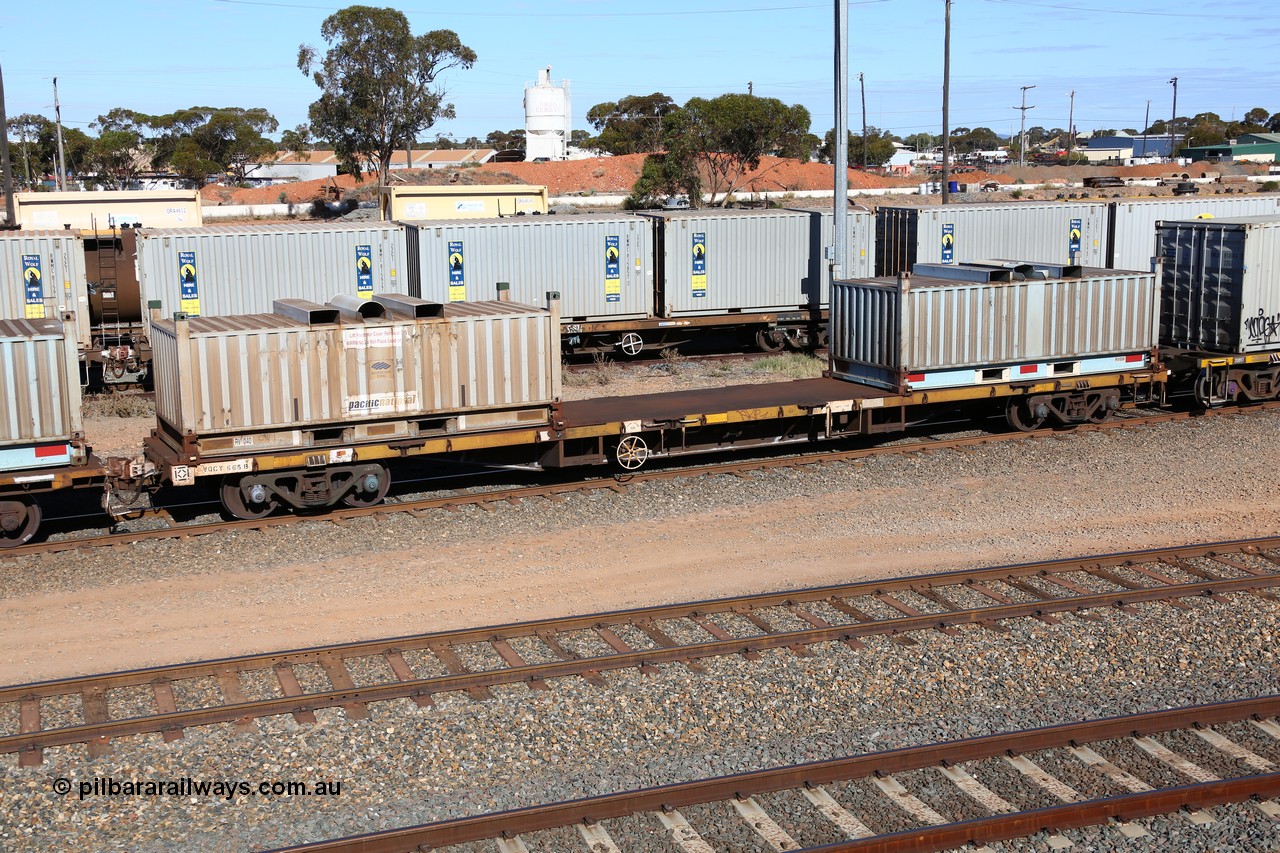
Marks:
<point>405,764</point>
<point>1086,493</point>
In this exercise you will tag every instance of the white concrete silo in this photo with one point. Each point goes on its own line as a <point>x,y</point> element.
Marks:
<point>548,118</point>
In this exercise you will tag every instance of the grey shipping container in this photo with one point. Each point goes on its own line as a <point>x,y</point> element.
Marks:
<point>914,332</point>
<point>266,378</point>
<point>600,264</point>
<point>1052,232</point>
<point>1221,284</point>
<point>39,367</point>
<point>241,269</point>
<point>860,249</point>
<point>42,275</point>
<point>733,261</point>
<point>1133,223</point>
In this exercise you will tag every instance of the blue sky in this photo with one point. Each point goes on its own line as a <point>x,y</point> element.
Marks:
<point>156,56</point>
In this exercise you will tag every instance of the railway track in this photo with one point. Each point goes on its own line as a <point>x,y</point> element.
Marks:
<point>889,777</point>
<point>169,699</point>
<point>488,499</point>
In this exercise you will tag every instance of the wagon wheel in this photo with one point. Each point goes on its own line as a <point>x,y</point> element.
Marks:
<point>370,488</point>
<point>1101,413</point>
<point>631,453</point>
<point>768,340</point>
<point>631,343</point>
<point>259,504</point>
<point>1020,416</point>
<point>19,521</point>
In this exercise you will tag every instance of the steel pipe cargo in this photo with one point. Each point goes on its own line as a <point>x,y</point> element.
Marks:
<point>241,269</point>
<point>601,264</point>
<point>734,261</point>
<point>40,369</point>
<point>259,374</point>
<point>1221,284</point>
<point>891,332</point>
<point>1053,232</point>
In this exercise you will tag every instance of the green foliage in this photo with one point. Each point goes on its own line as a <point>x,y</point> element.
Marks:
<point>977,139</point>
<point>665,175</point>
<point>632,125</point>
<point>724,138</point>
<point>880,147</point>
<point>378,83</point>
<point>506,140</point>
<point>1270,186</point>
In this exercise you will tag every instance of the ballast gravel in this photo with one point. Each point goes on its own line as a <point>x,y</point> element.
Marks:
<point>406,764</point>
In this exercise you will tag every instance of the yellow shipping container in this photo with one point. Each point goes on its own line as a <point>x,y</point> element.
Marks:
<point>461,202</point>
<point>102,211</point>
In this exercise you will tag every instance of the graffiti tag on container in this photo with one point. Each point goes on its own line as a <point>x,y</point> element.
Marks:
<point>1262,327</point>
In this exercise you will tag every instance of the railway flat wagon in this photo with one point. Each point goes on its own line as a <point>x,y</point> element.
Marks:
<point>961,326</point>
<point>42,444</point>
<point>1052,232</point>
<point>296,406</point>
<point>42,275</point>
<point>224,270</point>
<point>601,264</point>
<point>1132,242</point>
<point>1220,317</point>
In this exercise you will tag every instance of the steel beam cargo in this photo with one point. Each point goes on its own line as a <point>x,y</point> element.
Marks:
<point>42,275</point>
<point>40,424</point>
<point>1053,232</point>
<point>734,262</point>
<point>601,264</point>
<point>246,383</point>
<point>241,269</point>
<point>1221,284</point>
<point>1133,222</point>
<point>912,333</point>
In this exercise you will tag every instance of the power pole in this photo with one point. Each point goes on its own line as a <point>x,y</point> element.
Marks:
<point>946,95</point>
<point>9,215</point>
<point>1174,118</point>
<point>62,160</point>
<point>1146,123</point>
<point>840,202</point>
<point>1071,127</point>
<point>749,88</point>
<point>1022,134</point>
<point>863,87</point>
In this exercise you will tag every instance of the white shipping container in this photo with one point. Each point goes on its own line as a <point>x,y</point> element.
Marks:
<point>40,369</point>
<point>1221,284</point>
<point>600,264</point>
<point>1133,240</point>
<point>732,261</point>
<point>885,330</point>
<point>860,250</point>
<point>258,374</point>
<point>224,270</point>
<point>1063,232</point>
<point>42,275</point>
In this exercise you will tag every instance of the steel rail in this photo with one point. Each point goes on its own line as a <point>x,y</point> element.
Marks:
<point>821,456</point>
<point>740,786</point>
<point>684,610</point>
<point>531,673</point>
